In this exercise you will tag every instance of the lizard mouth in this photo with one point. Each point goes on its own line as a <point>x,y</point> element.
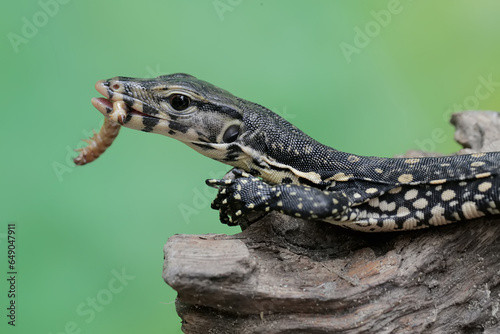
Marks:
<point>115,108</point>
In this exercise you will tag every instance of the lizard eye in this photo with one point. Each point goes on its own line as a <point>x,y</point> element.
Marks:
<point>231,134</point>
<point>179,102</point>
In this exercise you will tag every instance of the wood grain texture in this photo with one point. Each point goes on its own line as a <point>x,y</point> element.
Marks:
<point>286,275</point>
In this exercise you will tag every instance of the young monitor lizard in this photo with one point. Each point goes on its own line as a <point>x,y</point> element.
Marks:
<point>278,167</point>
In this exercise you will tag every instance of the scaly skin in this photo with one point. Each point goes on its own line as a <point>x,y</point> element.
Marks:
<point>278,167</point>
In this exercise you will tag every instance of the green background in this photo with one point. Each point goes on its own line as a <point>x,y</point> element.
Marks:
<point>77,227</point>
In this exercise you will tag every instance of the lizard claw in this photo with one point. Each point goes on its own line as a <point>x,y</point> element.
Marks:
<point>232,200</point>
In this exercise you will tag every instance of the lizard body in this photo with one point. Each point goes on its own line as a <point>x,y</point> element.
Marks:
<point>280,168</point>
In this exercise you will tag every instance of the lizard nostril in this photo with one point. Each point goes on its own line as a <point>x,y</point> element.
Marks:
<point>116,86</point>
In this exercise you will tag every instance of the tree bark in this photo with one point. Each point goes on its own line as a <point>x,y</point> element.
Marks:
<point>286,275</point>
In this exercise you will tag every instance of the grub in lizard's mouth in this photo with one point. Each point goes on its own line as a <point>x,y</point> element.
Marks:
<point>106,106</point>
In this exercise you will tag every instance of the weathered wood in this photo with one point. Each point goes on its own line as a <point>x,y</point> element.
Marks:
<point>286,275</point>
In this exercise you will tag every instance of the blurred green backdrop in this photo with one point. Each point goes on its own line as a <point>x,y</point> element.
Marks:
<point>372,78</point>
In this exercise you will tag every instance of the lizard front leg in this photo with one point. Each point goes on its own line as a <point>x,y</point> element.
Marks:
<point>246,193</point>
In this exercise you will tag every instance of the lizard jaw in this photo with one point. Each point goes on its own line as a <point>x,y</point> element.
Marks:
<point>116,110</point>
<point>104,105</point>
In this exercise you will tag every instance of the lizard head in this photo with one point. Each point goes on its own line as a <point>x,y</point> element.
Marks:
<point>180,106</point>
<point>209,119</point>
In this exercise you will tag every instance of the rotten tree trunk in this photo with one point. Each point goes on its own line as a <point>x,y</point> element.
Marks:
<point>286,275</point>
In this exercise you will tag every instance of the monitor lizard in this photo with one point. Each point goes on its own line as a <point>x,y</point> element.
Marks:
<point>277,167</point>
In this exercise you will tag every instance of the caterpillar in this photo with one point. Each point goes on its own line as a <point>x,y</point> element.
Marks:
<point>104,138</point>
<point>99,142</point>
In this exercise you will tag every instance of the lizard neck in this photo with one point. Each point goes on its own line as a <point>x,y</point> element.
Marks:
<point>281,153</point>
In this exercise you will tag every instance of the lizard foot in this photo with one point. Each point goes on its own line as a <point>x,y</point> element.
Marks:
<point>240,196</point>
